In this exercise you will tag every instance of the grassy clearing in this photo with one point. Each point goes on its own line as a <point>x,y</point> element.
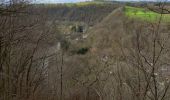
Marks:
<point>145,14</point>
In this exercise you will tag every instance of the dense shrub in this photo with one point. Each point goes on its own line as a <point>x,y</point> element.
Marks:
<point>82,51</point>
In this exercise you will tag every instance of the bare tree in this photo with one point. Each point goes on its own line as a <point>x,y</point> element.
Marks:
<point>22,68</point>
<point>145,54</point>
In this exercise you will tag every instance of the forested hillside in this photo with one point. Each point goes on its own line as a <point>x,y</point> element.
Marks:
<point>90,14</point>
<point>84,51</point>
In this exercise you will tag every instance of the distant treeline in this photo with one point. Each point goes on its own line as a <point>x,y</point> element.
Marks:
<point>89,14</point>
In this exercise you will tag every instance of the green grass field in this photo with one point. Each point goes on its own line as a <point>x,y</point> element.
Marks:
<point>145,14</point>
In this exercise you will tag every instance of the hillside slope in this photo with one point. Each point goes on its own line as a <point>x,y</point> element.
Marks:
<point>105,35</point>
<point>90,14</point>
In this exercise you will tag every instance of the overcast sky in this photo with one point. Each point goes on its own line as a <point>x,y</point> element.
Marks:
<point>73,1</point>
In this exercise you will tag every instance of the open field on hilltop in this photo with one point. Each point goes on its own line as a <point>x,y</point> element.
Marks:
<point>145,14</point>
